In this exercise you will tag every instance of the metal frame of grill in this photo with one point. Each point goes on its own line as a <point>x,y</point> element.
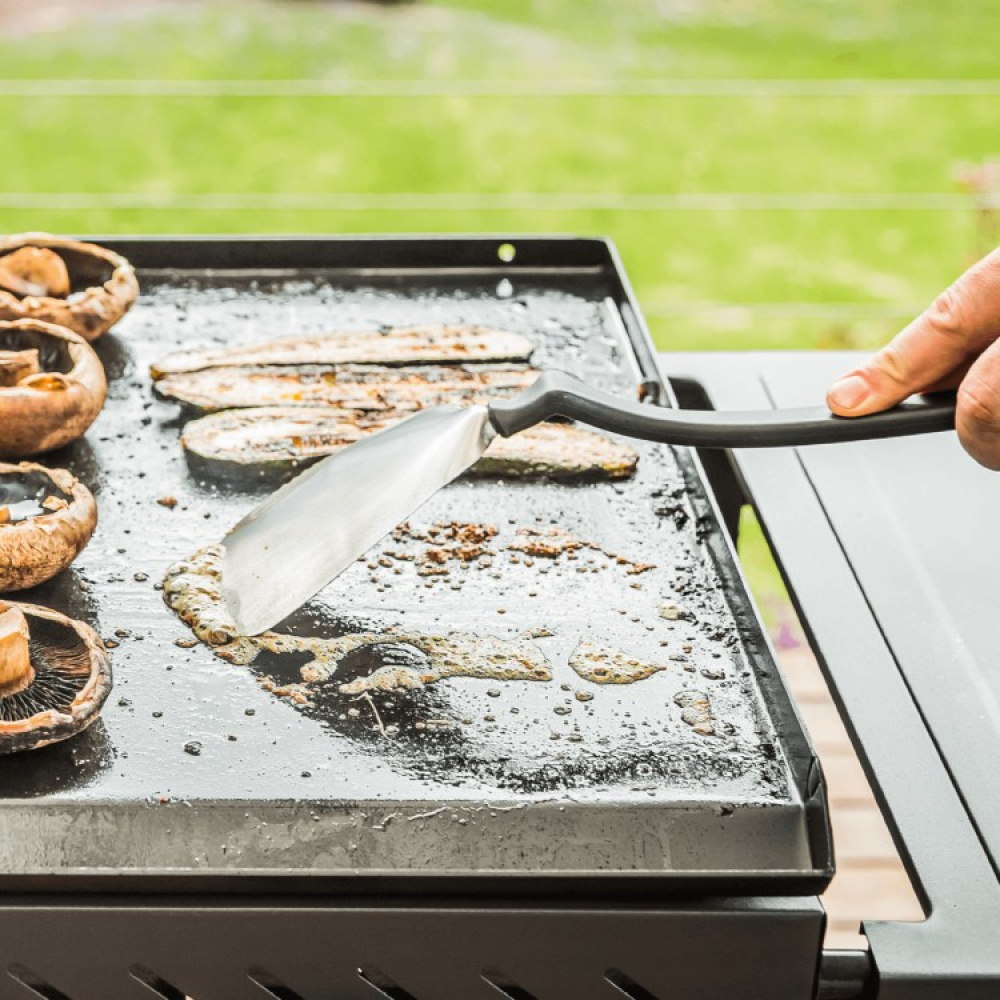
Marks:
<point>227,939</point>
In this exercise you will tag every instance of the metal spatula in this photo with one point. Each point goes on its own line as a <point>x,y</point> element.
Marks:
<point>314,527</point>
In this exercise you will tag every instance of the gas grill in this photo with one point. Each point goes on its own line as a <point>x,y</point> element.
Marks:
<point>209,839</point>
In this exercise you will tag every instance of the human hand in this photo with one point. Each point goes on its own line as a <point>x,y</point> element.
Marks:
<point>953,345</point>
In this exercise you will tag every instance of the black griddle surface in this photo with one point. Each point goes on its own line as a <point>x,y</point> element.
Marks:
<point>197,768</point>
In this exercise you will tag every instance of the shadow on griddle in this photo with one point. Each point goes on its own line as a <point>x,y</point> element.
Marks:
<point>432,734</point>
<point>116,358</point>
<point>259,479</point>
<point>68,592</point>
<point>61,767</point>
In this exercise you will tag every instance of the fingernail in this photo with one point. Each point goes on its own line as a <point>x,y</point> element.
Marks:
<point>849,392</point>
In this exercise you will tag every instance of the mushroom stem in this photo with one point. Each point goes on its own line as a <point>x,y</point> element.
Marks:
<point>16,365</point>
<point>16,672</point>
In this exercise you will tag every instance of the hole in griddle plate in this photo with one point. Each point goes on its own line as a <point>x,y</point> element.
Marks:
<point>35,983</point>
<point>506,252</point>
<point>381,982</point>
<point>503,983</point>
<point>156,983</point>
<point>271,984</point>
<point>627,985</point>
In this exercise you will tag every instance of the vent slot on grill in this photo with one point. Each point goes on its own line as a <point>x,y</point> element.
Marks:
<point>271,984</point>
<point>379,981</point>
<point>29,980</point>
<point>504,984</point>
<point>157,983</point>
<point>627,985</point>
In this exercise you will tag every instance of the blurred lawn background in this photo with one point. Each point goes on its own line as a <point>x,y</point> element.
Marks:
<point>776,173</point>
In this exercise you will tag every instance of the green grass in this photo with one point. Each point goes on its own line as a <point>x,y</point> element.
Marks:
<point>732,274</point>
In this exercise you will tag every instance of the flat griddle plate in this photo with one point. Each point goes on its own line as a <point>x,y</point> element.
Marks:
<point>197,770</point>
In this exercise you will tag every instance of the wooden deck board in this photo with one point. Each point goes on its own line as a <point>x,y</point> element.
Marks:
<point>871,883</point>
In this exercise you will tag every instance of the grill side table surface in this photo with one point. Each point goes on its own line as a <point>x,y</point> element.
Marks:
<point>891,551</point>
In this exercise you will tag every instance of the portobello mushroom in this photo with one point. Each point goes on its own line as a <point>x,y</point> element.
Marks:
<point>81,286</point>
<point>52,387</point>
<point>358,387</point>
<point>392,346</point>
<point>273,439</point>
<point>54,677</point>
<point>46,518</point>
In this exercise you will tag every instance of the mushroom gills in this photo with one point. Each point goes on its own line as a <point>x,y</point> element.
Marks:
<point>16,672</point>
<point>41,671</point>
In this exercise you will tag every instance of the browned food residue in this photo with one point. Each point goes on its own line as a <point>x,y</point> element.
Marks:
<point>192,588</point>
<point>553,542</point>
<point>446,542</point>
<point>605,665</point>
<point>696,711</point>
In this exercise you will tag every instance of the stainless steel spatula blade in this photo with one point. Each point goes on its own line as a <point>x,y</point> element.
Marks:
<point>310,530</point>
<point>314,527</point>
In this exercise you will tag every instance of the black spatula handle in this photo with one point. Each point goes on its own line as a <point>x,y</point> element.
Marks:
<point>558,394</point>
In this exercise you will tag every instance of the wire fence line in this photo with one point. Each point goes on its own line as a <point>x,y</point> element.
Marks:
<point>305,88</point>
<point>789,310</point>
<point>487,202</point>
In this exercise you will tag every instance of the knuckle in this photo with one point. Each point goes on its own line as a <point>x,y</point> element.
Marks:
<point>893,363</point>
<point>946,314</point>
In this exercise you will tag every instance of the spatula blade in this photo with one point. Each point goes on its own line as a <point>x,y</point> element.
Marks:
<point>313,528</point>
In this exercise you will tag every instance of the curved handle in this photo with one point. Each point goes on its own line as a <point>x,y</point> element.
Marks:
<point>558,394</point>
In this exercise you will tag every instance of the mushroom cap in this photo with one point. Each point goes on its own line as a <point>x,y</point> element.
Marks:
<point>33,550</point>
<point>72,681</point>
<point>55,407</point>
<point>103,286</point>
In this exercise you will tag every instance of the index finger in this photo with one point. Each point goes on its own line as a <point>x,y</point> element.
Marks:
<point>961,323</point>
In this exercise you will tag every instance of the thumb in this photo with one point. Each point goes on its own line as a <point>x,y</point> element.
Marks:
<point>958,326</point>
<point>977,415</point>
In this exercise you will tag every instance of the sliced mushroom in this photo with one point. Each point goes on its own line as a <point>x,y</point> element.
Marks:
<point>394,346</point>
<point>81,286</point>
<point>52,387</point>
<point>54,676</point>
<point>46,517</point>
